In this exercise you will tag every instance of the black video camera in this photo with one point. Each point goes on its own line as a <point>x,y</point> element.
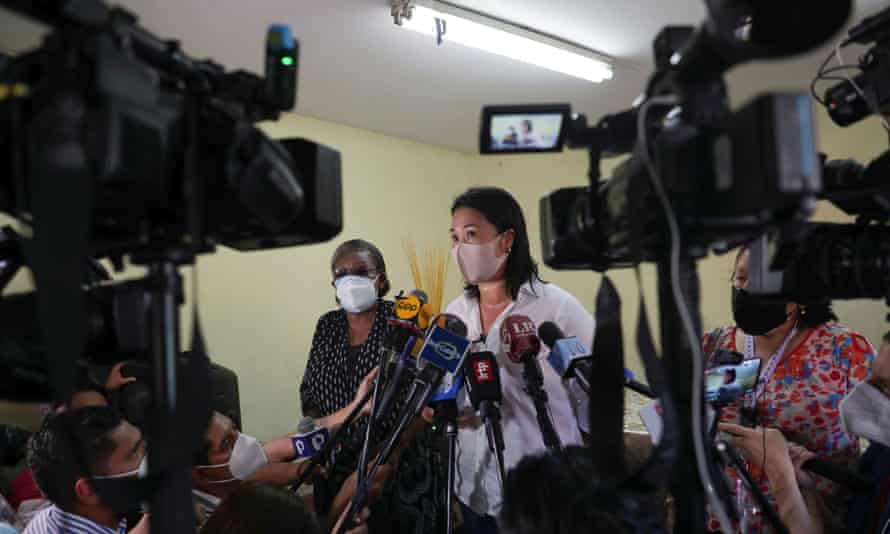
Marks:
<point>728,175</point>
<point>105,102</point>
<point>868,92</point>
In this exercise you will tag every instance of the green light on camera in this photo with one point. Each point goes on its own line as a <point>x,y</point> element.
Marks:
<point>287,61</point>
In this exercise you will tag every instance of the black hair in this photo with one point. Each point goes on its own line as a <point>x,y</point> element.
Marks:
<point>813,310</point>
<point>261,507</point>
<point>501,209</point>
<point>360,245</point>
<point>557,492</point>
<point>71,445</point>
<point>528,124</point>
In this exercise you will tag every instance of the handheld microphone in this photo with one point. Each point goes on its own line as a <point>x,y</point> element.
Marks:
<point>569,358</point>
<point>518,332</point>
<point>483,377</point>
<point>310,438</point>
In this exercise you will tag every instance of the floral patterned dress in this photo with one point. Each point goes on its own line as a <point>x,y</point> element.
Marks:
<point>802,398</point>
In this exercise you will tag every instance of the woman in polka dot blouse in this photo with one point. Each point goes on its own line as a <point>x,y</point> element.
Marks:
<point>345,348</point>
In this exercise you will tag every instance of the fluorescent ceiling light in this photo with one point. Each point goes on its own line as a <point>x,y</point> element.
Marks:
<point>470,29</point>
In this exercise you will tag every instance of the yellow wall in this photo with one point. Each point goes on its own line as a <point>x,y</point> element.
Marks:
<point>259,309</point>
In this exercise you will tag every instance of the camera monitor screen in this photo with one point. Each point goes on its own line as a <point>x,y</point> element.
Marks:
<point>521,129</point>
<point>727,383</point>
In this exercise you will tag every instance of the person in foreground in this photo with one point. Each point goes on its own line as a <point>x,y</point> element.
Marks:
<point>72,449</point>
<point>262,507</point>
<point>490,245</point>
<point>555,492</point>
<point>865,412</point>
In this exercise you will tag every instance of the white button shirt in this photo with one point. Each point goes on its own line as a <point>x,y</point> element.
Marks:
<point>478,484</point>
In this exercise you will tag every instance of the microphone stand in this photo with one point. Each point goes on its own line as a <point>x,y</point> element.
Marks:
<point>369,431</point>
<point>365,475</point>
<point>534,386</point>
<point>447,411</point>
<point>495,438</point>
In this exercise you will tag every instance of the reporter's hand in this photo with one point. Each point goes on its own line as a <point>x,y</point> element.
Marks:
<point>799,455</point>
<point>360,521</point>
<point>366,385</point>
<point>751,442</point>
<point>116,380</point>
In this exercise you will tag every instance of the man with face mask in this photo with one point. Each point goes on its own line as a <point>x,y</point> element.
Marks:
<point>72,450</point>
<point>865,412</point>
<point>230,457</point>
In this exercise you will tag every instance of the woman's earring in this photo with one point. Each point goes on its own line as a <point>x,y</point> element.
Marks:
<point>803,311</point>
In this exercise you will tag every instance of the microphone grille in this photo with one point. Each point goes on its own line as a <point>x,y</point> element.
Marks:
<point>549,333</point>
<point>306,424</point>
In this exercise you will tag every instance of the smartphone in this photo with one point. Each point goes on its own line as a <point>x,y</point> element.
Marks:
<point>726,383</point>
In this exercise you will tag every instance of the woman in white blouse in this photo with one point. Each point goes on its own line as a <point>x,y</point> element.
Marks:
<point>490,245</point>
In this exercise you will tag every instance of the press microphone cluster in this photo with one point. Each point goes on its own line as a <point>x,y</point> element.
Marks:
<point>519,333</point>
<point>571,359</point>
<point>439,362</point>
<point>405,329</point>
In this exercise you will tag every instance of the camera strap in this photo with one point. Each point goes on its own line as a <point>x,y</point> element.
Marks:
<point>61,198</point>
<point>607,387</point>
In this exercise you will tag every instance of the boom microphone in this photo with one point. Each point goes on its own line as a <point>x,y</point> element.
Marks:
<point>518,332</point>
<point>742,30</point>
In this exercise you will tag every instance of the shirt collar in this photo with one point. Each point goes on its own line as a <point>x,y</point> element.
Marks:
<point>78,523</point>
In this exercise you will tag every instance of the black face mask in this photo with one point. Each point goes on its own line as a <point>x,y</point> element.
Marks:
<point>757,315</point>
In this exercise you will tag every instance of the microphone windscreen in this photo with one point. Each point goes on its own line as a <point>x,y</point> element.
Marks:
<point>550,333</point>
<point>421,296</point>
<point>450,322</point>
<point>518,333</point>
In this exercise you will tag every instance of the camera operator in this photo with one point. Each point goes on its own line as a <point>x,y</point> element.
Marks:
<point>70,450</point>
<point>809,364</point>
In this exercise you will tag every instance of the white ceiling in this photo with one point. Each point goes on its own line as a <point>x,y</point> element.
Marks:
<point>361,70</point>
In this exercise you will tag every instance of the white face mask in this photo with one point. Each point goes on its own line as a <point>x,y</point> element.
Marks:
<point>248,455</point>
<point>139,472</point>
<point>478,263</point>
<point>865,412</point>
<point>356,293</point>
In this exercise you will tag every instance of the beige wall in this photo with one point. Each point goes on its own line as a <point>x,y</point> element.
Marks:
<point>259,309</point>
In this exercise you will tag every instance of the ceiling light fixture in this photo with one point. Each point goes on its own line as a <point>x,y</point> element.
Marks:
<point>447,22</point>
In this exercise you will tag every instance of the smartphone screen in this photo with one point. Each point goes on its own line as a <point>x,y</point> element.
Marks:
<point>726,383</point>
